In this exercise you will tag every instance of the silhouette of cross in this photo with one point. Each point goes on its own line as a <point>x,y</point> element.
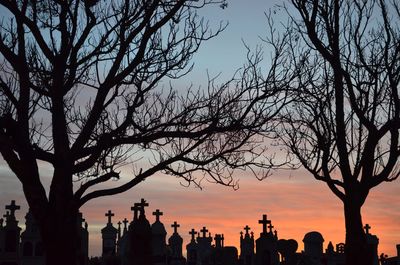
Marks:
<point>125,221</point>
<point>270,226</point>
<point>247,228</point>
<point>367,228</point>
<point>157,213</point>
<point>12,207</point>
<point>135,208</point>
<point>142,204</point>
<point>175,226</point>
<point>109,214</point>
<point>204,231</point>
<point>264,222</point>
<point>192,233</point>
<point>119,225</point>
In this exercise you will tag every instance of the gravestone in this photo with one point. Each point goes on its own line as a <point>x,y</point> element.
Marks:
<point>266,249</point>
<point>159,247</point>
<point>191,249</point>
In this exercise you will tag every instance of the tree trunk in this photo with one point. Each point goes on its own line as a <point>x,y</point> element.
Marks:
<point>357,250</point>
<point>59,234</point>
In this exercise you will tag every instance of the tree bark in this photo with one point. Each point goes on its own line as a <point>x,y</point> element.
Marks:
<point>357,250</point>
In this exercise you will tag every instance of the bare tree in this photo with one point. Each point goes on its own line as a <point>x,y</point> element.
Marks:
<point>344,120</point>
<point>81,90</point>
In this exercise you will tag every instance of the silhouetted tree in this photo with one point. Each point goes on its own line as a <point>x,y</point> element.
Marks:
<point>80,92</point>
<point>344,120</point>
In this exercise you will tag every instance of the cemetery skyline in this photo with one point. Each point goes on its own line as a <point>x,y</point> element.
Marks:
<point>294,201</point>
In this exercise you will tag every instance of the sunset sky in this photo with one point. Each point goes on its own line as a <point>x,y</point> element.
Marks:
<point>293,200</point>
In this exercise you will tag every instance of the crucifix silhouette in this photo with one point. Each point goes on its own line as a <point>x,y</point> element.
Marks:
<point>247,228</point>
<point>204,231</point>
<point>192,233</point>
<point>125,221</point>
<point>109,214</point>
<point>12,207</point>
<point>175,225</point>
<point>264,223</point>
<point>367,227</point>
<point>157,213</point>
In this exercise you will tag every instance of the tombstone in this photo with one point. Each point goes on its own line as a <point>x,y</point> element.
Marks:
<point>10,236</point>
<point>247,247</point>
<point>159,248</point>
<point>204,248</point>
<point>229,256</point>
<point>373,242</point>
<point>140,236</point>
<point>122,247</point>
<point>287,249</point>
<point>191,249</point>
<point>313,247</point>
<point>31,247</point>
<point>109,236</point>
<point>175,244</point>
<point>266,245</point>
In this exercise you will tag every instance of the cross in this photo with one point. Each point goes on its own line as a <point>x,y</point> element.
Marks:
<point>270,226</point>
<point>175,226</point>
<point>109,214</point>
<point>157,213</point>
<point>125,221</point>
<point>192,233</point>
<point>135,208</point>
<point>247,228</point>
<point>367,228</point>
<point>142,204</point>
<point>264,222</point>
<point>119,225</point>
<point>204,231</point>
<point>12,207</point>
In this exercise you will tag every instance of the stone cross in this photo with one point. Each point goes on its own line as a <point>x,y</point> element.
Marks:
<point>142,204</point>
<point>125,221</point>
<point>192,233</point>
<point>247,228</point>
<point>264,222</point>
<point>12,207</point>
<point>204,231</point>
<point>157,213</point>
<point>119,225</point>
<point>135,208</point>
<point>109,214</point>
<point>367,228</point>
<point>175,226</point>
